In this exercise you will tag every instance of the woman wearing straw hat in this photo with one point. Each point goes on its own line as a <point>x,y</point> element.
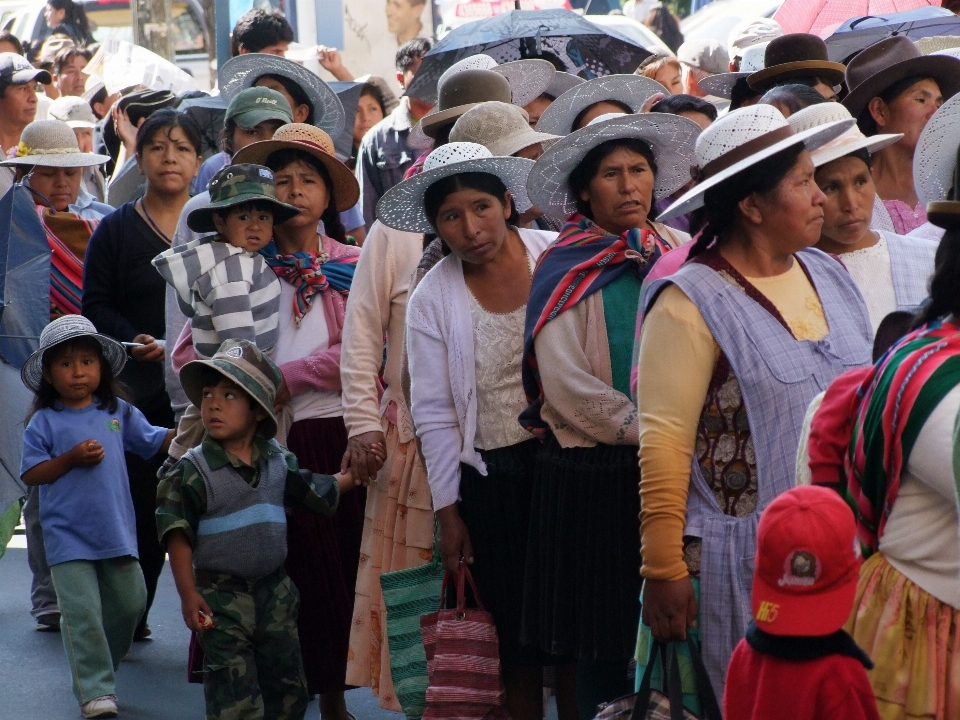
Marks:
<point>895,89</point>
<point>584,102</point>
<point>733,348</point>
<point>124,297</point>
<point>891,271</point>
<point>464,336</point>
<point>934,163</point>
<point>582,585</point>
<point>316,271</point>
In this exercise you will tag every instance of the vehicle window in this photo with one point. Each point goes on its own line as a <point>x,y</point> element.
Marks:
<point>113,21</point>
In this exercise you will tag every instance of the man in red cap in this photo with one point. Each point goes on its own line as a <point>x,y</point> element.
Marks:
<point>796,654</point>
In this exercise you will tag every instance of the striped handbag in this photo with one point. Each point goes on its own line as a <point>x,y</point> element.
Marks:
<point>408,594</point>
<point>463,658</point>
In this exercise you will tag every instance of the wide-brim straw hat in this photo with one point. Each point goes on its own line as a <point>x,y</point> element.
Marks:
<point>243,71</point>
<point>888,62</point>
<point>631,90</point>
<point>721,84</point>
<point>740,140</point>
<point>52,143</point>
<point>850,141</point>
<point>670,137</point>
<point>243,363</point>
<point>529,79</point>
<point>313,141</point>
<point>792,56</point>
<point>401,207</point>
<point>462,91</point>
<point>69,327</point>
<point>935,158</point>
<point>502,128</point>
<point>562,82</point>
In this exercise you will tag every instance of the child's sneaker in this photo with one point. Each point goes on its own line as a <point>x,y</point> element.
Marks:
<point>49,622</point>
<point>101,707</point>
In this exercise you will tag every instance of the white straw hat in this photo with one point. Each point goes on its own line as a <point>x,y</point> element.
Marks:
<point>401,207</point>
<point>52,143</point>
<point>68,327</point>
<point>631,90</point>
<point>562,82</point>
<point>740,140</point>
<point>502,128</point>
<point>671,138</point>
<point>850,141</point>
<point>243,71</point>
<point>721,85</point>
<point>935,159</point>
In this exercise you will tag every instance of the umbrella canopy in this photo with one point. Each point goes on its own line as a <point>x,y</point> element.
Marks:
<point>581,47</point>
<point>24,277</point>
<point>821,17</point>
<point>862,32</point>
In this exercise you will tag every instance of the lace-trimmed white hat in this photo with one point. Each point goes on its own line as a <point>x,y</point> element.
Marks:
<point>631,90</point>
<point>935,159</point>
<point>671,138</point>
<point>401,207</point>
<point>740,140</point>
<point>502,128</point>
<point>842,145</point>
<point>52,143</point>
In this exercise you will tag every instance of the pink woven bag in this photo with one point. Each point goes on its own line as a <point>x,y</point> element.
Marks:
<point>463,658</point>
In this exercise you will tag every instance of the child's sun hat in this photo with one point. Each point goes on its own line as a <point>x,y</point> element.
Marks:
<point>69,327</point>
<point>243,363</point>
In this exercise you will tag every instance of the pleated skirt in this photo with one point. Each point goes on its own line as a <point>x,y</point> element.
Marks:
<point>496,511</point>
<point>582,585</point>
<point>322,558</point>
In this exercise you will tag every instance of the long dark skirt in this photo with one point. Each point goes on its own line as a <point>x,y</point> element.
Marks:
<point>496,511</point>
<point>582,586</point>
<point>322,558</point>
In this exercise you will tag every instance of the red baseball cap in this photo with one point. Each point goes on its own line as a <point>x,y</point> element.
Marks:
<point>808,563</point>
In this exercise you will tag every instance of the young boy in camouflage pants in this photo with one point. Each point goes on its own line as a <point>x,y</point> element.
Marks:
<point>220,512</point>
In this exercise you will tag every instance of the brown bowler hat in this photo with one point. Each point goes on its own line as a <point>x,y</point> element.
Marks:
<point>795,55</point>
<point>945,214</point>
<point>461,92</point>
<point>889,61</point>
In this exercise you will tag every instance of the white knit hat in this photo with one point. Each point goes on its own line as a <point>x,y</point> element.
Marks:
<point>502,128</point>
<point>935,159</point>
<point>740,140</point>
<point>850,141</point>
<point>401,207</point>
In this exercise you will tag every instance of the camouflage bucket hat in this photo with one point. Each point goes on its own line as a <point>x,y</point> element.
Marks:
<point>242,362</point>
<point>235,185</point>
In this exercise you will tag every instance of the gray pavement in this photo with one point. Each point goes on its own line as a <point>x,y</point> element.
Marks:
<point>151,684</point>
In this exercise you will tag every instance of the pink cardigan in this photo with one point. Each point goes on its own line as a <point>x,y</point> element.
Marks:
<point>319,371</point>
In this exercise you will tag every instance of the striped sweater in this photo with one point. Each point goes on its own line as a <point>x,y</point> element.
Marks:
<point>225,291</point>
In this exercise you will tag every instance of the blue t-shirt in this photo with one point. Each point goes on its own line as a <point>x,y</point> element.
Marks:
<point>87,513</point>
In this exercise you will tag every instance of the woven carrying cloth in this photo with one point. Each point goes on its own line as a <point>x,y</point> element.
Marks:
<point>463,659</point>
<point>68,236</point>
<point>894,403</point>
<point>311,273</point>
<point>583,260</point>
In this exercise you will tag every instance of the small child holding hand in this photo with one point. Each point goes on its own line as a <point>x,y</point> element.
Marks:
<point>73,448</point>
<point>223,284</point>
<point>221,514</point>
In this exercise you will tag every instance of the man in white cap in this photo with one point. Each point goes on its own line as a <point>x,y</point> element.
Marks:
<point>18,104</point>
<point>700,59</point>
<point>747,33</point>
<point>78,115</point>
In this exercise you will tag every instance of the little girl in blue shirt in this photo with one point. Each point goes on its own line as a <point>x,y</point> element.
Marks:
<point>73,448</point>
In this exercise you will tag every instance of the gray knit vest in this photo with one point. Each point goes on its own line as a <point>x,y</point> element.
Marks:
<point>244,530</point>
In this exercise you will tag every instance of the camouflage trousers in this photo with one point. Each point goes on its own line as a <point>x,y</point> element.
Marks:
<point>252,666</point>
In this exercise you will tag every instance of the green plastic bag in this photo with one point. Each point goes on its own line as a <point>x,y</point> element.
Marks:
<point>408,594</point>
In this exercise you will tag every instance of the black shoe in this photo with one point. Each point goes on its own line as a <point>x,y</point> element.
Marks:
<point>142,634</point>
<point>49,622</point>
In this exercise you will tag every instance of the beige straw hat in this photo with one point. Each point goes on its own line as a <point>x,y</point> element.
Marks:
<point>313,141</point>
<point>502,128</point>
<point>51,143</point>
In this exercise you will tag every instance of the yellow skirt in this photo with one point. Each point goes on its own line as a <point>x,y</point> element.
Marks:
<point>914,642</point>
<point>397,534</point>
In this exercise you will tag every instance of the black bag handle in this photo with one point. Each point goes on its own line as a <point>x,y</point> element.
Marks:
<point>643,695</point>
<point>669,658</point>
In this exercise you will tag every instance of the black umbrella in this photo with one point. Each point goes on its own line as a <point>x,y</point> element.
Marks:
<point>24,276</point>
<point>349,94</point>
<point>860,33</point>
<point>208,112</point>
<point>571,42</point>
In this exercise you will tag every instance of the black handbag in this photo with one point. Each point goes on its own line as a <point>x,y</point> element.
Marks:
<point>650,704</point>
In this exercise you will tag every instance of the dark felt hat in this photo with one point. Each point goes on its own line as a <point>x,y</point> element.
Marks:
<point>792,56</point>
<point>888,62</point>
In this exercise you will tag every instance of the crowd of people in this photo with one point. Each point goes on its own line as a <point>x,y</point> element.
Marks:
<point>667,359</point>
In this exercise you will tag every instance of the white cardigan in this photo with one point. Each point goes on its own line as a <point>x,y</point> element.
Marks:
<point>443,384</point>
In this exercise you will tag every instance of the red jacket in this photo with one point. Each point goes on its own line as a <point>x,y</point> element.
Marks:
<point>764,687</point>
